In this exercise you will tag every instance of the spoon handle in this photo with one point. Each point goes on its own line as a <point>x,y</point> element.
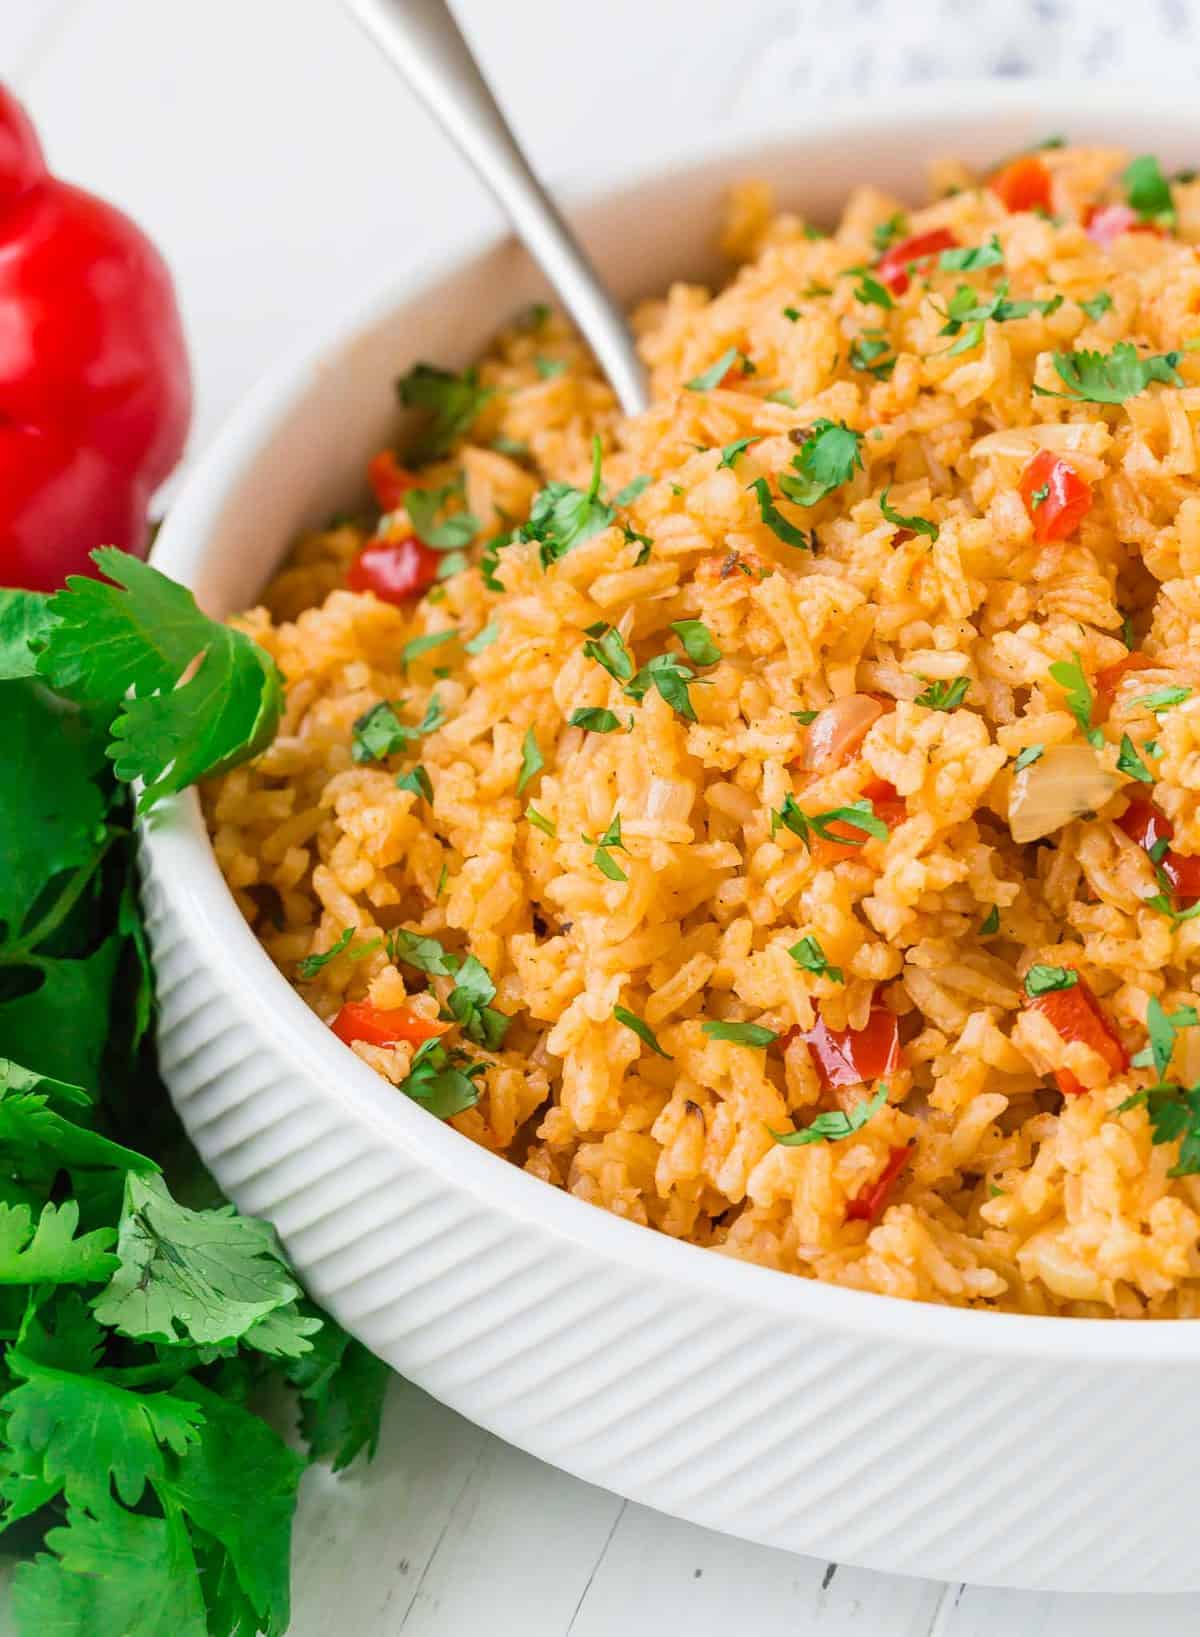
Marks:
<point>422,40</point>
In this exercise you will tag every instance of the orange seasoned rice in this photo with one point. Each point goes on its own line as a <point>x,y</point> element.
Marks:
<point>1003,1190</point>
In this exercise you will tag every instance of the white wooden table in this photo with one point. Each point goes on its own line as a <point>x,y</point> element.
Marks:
<point>282,170</point>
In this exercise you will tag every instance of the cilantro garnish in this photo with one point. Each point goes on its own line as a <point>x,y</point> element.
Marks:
<point>782,396</point>
<point>740,1034</point>
<point>594,719</point>
<point>833,1126</point>
<point>1148,191</point>
<point>1163,699</point>
<point>453,403</point>
<point>1039,497</point>
<point>1069,675</point>
<point>1162,1027</point>
<point>1096,306</point>
<point>966,314</point>
<point>715,373</point>
<point>512,447</point>
<point>540,821</point>
<point>944,696</point>
<point>100,643</point>
<point>990,923</point>
<point>1174,1113</point>
<point>828,458</point>
<point>918,525</point>
<point>697,641</point>
<point>870,292</point>
<point>417,780</point>
<point>859,816</point>
<point>1043,980</point>
<point>791,314</point>
<point>563,517</point>
<point>635,487</point>
<point>1111,378</point>
<point>483,639</point>
<point>672,678</point>
<point>379,732</point>
<point>602,857</point>
<point>443,1079</point>
<point>416,646</point>
<point>731,451</point>
<point>806,717</point>
<point>810,957</point>
<point>607,647</point>
<point>312,964</point>
<point>549,369</point>
<point>643,1030</point>
<point>970,258</point>
<point>886,233</point>
<point>775,520</point>
<point>454,531</point>
<point>467,1004</point>
<point>1131,764</point>
<point>872,355</point>
<point>532,761</point>
<point>1028,756</point>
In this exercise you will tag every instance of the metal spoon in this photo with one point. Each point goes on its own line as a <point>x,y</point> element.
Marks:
<point>421,38</point>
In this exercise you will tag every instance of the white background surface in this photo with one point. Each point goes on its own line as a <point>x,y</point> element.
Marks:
<point>283,170</point>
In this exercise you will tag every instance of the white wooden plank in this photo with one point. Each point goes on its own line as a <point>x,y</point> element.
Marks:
<point>661,1575</point>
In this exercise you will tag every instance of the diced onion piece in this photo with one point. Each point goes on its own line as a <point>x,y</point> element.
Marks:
<point>835,733</point>
<point>668,800</point>
<point>1066,783</point>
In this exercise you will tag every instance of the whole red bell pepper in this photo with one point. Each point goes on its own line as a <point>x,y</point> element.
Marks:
<point>95,390</point>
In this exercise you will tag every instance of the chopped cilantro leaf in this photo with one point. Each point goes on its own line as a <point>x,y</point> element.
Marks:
<point>672,678</point>
<point>991,922</point>
<point>782,396</point>
<point>563,517</point>
<point>810,957</point>
<point>602,857</point>
<point>607,647</point>
<point>1148,191</point>
<point>966,314</point>
<point>453,532</point>
<point>858,817</point>
<point>872,355</point>
<point>483,639</point>
<point>643,1030</point>
<point>532,761</point>
<point>417,781</point>
<point>1028,756</point>
<point>1111,378</point>
<point>944,696</point>
<point>549,369</point>
<point>887,232</point>
<point>1069,675</point>
<point>594,719</point>
<point>731,451</point>
<point>918,525</point>
<point>715,373</point>
<point>635,487</point>
<point>443,1079</point>
<point>740,1034</point>
<point>1162,1027</point>
<point>806,717</point>
<point>871,293</point>
<point>791,314</point>
<point>1096,306</point>
<point>1163,699</point>
<point>1043,980</point>
<point>829,456</point>
<point>540,821</point>
<point>697,641</point>
<point>1174,1113</point>
<point>453,403</point>
<point>308,968</point>
<point>417,646</point>
<point>833,1126</point>
<point>970,258</point>
<point>1131,764</point>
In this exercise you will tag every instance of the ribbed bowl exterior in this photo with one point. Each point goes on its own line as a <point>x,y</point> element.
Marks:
<point>997,1449</point>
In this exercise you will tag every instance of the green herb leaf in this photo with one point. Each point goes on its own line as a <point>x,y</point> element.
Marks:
<point>452,402</point>
<point>697,641</point>
<point>970,258</point>
<point>1111,378</point>
<point>1028,756</point>
<point>563,517</point>
<point>417,780</point>
<point>886,233</point>
<point>918,525</point>
<point>442,1079</point>
<point>1163,699</point>
<point>775,520</point>
<point>990,923</point>
<point>416,646</point>
<point>740,1034</point>
<point>310,965</point>
<point>607,647</point>
<point>672,678</point>
<point>1043,980</point>
<point>714,374</point>
<point>944,696</point>
<point>25,623</point>
<point>872,355</point>
<point>419,950</point>
<point>871,293</point>
<point>602,858</point>
<point>142,638</point>
<point>1162,1028</point>
<point>643,1030</point>
<point>859,817</point>
<point>1131,764</point>
<point>484,638</point>
<point>810,957</point>
<point>1096,306</point>
<point>635,487</point>
<point>540,821</point>
<point>828,458</point>
<point>47,1251</point>
<point>532,761</point>
<point>731,451</point>
<point>1069,675</point>
<point>1148,191</point>
<point>468,1003</point>
<point>454,532</point>
<point>833,1126</point>
<point>549,369</point>
<point>594,719</point>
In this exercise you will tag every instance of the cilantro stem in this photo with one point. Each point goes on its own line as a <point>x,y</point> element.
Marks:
<point>19,951</point>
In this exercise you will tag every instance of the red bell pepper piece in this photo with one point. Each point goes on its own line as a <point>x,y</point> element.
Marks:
<point>1142,822</point>
<point>893,265</point>
<point>395,570</point>
<point>869,1202</point>
<point>95,392</point>
<point>1056,497</point>
<point>1022,185</point>
<point>389,480</point>
<point>1076,1014</point>
<point>850,1057</point>
<point>383,1026</point>
<point>1108,677</point>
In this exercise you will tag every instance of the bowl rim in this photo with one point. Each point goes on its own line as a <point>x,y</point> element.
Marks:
<point>186,863</point>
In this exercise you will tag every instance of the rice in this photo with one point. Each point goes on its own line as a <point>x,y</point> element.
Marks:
<point>978,1180</point>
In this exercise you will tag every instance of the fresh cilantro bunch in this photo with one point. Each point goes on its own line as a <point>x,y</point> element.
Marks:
<point>142,1319</point>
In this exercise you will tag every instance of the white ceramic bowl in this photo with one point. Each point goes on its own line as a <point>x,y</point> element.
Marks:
<point>992,1448</point>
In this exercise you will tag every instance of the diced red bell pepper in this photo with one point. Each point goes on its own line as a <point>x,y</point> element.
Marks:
<point>1108,677</point>
<point>1066,498</point>
<point>894,264</point>
<point>395,570</point>
<point>869,1202</point>
<point>389,480</point>
<point>1024,184</point>
<point>1143,823</point>
<point>850,1057</point>
<point>1104,224</point>
<point>1076,1015</point>
<point>383,1026</point>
